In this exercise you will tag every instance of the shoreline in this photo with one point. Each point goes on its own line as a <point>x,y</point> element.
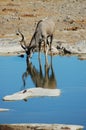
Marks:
<point>36,126</point>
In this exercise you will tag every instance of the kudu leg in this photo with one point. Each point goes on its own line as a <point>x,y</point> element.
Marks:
<point>39,50</point>
<point>46,46</point>
<point>51,39</point>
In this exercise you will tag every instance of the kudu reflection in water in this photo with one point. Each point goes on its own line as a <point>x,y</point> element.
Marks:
<point>40,79</point>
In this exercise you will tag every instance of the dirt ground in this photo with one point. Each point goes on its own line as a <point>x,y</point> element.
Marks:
<point>69,15</point>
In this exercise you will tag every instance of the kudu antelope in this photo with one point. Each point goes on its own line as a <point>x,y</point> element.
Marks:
<point>43,34</point>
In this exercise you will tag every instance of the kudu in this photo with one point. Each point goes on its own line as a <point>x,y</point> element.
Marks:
<point>43,34</point>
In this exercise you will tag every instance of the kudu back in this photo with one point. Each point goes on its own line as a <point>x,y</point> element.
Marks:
<point>43,35</point>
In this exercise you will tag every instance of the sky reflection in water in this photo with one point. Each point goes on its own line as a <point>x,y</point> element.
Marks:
<point>69,75</point>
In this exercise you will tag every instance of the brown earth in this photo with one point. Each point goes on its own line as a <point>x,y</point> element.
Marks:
<point>70,16</point>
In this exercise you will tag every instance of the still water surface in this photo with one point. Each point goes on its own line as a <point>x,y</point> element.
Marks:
<point>65,73</point>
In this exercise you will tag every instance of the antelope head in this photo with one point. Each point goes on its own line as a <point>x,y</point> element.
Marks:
<point>23,44</point>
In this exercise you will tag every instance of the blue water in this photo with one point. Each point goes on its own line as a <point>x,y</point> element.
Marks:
<point>69,76</point>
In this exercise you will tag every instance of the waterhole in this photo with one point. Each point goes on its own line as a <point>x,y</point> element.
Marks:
<point>66,74</point>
